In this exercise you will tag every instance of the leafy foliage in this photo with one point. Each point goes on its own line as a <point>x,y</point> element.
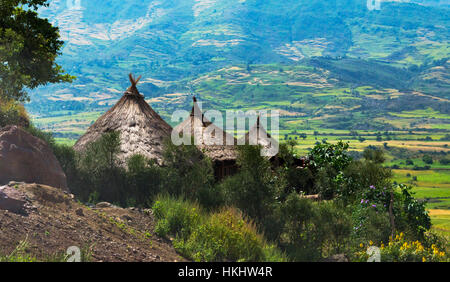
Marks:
<point>400,249</point>
<point>253,189</point>
<point>29,46</point>
<point>12,113</point>
<point>219,236</point>
<point>189,174</point>
<point>208,219</point>
<point>176,216</point>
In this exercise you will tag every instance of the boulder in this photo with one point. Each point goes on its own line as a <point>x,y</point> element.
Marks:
<point>26,158</point>
<point>102,205</point>
<point>12,200</point>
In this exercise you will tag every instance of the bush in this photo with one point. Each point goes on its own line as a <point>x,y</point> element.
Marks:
<point>330,154</point>
<point>176,217</point>
<point>371,219</point>
<point>360,175</point>
<point>399,249</point>
<point>370,224</point>
<point>427,159</point>
<point>145,180</point>
<point>221,236</point>
<point>99,177</point>
<point>298,179</point>
<point>253,189</point>
<point>13,113</point>
<point>189,174</point>
<point>328,161</point>
<point>336,225</point>
<point>313,230</point>
<point>411,215</point>
<point>225,236</point>
<point>374,154</point>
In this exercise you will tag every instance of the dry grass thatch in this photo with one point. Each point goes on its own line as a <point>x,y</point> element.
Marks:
<point>142,130</point>
<point>257,135</point>
<point>209,138</point>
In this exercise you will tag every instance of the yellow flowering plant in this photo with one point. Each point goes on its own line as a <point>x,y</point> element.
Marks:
<point>400,249</point>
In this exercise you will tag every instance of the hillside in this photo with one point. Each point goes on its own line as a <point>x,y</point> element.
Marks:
<point>54,221</point>
<point>180,46</point>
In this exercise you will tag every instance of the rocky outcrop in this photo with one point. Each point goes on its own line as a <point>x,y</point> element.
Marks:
<point>29,159</point>
<point>12,200</point>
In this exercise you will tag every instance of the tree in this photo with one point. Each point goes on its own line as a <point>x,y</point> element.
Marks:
<point>29,46</point>
<point>189,174</point>
<point>427,159</point>
<point>252,190</point>
<point>379,138</point>
<point>374,154</point>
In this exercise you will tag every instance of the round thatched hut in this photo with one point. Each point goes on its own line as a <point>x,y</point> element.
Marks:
<point>257,135</point>
<point>215,143</point>
<point>142,130</point>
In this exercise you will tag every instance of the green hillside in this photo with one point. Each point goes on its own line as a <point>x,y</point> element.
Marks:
<point>343,68</point>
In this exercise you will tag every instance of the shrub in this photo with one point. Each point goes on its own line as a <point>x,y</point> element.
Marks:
<point>370,223</point>
<point>176,217</point>
<point>298,179</point>
<point>12,113</point>
<point>371,220</point>
<point>145,180</point>
<point>336,226</point>
<point>313,230</point>
<point>427,159</point>
<point>221,236</point>
<point>189,173</point>
<point>328,161</point>
<point>332,154</point>
<point>411,215</point>
<point>374,154</point>
<point>253,189</point>
<point>300,239</point>
<point>226,236</point>
<point>360,175</point>
<point>399,249</point>
<point>99,177</point>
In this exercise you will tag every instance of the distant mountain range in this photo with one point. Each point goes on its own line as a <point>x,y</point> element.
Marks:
<point>254,54</point>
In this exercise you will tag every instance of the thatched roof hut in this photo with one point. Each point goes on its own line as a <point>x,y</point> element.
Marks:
<point>209,138</point>
<point>257,135</point>
<point>142,130</point>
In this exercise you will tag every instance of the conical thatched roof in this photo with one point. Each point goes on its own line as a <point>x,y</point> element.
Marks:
<point>257,135</point>
<point>206,136</point>
<point>142,130</point>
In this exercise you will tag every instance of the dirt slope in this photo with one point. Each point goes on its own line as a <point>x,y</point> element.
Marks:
<point>54,221</point>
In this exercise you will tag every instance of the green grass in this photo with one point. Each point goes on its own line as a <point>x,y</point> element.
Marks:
<point>431,185</point>
<point>220,236</point>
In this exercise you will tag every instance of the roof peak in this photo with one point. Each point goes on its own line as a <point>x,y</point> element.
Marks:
<point>132,90</point>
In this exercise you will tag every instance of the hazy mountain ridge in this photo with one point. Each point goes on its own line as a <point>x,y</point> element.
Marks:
<point>175,43</point>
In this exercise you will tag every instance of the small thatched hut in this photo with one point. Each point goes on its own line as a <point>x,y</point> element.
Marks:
<point>142,130</point>
<point>257,135</point>
<point>211,140</point>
